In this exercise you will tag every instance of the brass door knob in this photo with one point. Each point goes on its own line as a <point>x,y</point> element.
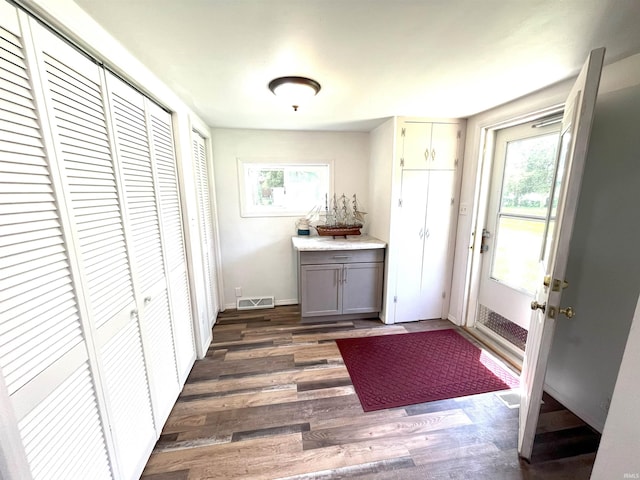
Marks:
<point>568,312</point>
<point>538,306</point>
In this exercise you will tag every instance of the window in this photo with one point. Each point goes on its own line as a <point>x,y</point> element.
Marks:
<point>282,189</point>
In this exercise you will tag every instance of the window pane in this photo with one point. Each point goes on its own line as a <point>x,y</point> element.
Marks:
<point>528,175</point>
<point>282,189</point>
<point>517,252</point>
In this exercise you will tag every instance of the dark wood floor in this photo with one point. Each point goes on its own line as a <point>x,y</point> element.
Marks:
<point>273,399</point>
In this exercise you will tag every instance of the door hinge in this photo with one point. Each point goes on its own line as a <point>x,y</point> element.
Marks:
<point>402,162</point>
<point>399,202</point>
<point>395,299</point>
<point>403,132</point>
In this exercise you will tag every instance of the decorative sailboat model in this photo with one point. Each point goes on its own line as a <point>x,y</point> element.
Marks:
<point>342,217</point>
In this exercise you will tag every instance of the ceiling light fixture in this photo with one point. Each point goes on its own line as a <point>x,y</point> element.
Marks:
<point>294,89</point>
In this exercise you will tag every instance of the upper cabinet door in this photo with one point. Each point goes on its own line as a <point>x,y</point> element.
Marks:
<point>416,141</point>
<point>444,146</point>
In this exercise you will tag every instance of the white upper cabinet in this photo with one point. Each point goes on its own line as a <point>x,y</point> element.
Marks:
<point>429,146</point>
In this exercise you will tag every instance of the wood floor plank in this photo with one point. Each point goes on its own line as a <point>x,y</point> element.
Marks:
<point>273,399</point>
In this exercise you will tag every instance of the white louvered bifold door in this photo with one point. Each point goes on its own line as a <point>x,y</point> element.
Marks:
<point>164,161</point>
<point>205,218</point>
<point>134,157</point>
<point>74,93</point>
<point>43,350</point>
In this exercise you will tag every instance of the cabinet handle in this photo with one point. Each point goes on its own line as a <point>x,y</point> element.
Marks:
<point>420,234</point>
<point>426,154</point>
<point>344,280</point>
<point>433,155</point>
<point>427,233</point>
<point>342,256</point>
<point>336,278</point>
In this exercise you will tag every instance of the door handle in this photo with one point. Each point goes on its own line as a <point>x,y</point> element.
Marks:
<point>538,306</point>
<point>568,312</point>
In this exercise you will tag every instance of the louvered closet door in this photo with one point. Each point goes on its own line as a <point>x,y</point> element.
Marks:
<point>206,228</point>
<point>76,109</point>
<point>134,158</point>
<point>43,354</point>
<point>164,161</point>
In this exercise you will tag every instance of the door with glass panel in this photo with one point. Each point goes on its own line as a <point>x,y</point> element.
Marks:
<point>517,218</point>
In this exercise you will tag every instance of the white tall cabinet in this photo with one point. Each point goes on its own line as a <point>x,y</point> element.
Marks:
<point>96,333</point>
<point>423,206</point>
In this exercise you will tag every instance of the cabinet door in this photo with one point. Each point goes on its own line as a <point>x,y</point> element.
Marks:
<point>444,146</point>
<point>435,265</point>
<point>321,290</point>
<point>416,145</point>
<point>410,245</point>
<point>362,287</point>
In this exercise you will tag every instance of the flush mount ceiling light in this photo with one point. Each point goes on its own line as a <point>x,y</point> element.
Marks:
<point>294,89</point>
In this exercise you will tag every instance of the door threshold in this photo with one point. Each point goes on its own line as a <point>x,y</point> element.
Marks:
<point>507,352</point>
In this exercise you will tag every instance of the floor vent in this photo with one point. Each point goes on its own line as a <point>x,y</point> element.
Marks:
<point>254,303</point>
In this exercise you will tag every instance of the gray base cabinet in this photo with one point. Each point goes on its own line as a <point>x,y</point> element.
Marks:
<point>341,282</point>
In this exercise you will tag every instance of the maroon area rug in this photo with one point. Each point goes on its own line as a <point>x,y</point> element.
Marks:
<point>396,370</point>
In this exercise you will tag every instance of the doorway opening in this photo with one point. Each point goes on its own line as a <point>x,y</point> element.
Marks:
<point>521,163</point>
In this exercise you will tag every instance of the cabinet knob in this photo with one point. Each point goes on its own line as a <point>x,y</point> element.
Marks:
<point>426,154</point>
<point>433,155</point>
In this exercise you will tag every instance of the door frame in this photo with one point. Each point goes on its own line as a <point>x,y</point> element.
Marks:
<point>486,147</point>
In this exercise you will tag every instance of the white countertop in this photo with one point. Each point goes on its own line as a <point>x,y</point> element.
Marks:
<point>352,242</point>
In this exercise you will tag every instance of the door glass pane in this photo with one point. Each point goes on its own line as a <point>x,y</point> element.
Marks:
<point>524,204</point>
<point>517,252</point>
<point>553,208</point>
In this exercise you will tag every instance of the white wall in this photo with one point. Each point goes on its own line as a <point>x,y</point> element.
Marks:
<point>604,263</point>
<point>383,144</point>
<point>257,254</point>
<point>620,444</point>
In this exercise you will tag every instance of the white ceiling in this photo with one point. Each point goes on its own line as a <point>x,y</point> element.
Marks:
<point>373,58</point>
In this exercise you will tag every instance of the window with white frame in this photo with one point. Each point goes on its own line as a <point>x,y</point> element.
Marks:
<point>282,188</point>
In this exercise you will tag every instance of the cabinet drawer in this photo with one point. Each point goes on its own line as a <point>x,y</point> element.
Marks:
<point>342,256</point>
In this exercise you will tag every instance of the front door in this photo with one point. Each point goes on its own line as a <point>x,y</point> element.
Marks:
<point>513,237</point>
<point>574,140</point>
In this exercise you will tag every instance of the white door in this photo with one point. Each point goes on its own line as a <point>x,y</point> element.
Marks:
<point>423,245</point>
<point>576,128</point>
<point>519,194</point>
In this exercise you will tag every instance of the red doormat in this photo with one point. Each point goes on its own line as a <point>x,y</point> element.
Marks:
<point>396,370</point>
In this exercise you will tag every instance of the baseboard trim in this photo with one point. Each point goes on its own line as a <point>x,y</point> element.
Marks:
<point>286,301</point>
